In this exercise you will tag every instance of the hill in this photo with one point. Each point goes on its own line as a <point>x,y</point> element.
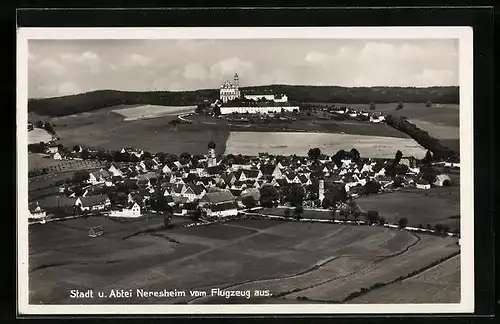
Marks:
<point>67,105</point>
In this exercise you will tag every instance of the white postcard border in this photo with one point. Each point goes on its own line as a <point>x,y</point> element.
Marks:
<point>463,34</point>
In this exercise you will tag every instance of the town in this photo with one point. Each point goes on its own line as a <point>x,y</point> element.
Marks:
<point>131,182</point>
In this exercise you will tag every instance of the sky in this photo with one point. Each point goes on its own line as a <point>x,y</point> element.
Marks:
<point>64,67</point>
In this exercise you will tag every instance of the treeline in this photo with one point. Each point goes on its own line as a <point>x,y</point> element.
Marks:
<point>358,95</point>
<point>67,105</point>
<point>440,152</point>
<point>89,101</point>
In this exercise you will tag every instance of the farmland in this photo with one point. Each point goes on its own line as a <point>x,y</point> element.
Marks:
<point>252,143</point>
<point>152,111</point>
<point>108,130</point>
<point>442,282</point>
<point>433,206</point>
<point>38,135</point>
<point>301,259</point>
<point>41,161</point>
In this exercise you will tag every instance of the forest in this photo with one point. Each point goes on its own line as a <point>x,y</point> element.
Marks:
<point>67,105</point>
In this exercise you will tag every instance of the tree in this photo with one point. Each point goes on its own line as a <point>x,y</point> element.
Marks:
<point>217,110</point>
<point>398,182</point>
<point>438,228</point>
<point>80,176</point>
<point>397,158</point>
<point>39,124</point>
<point>372,216</point>
<point>372,187</point>
<point>286,213</point>
<point>402,223</point>
<point>249,201</point>
<point>49,128</point>
<point>427,160</point>
<point>295,194</point>
<point>85,154</point>
<point>297,212</point>
<point>429,174</point>
<point>269,196</point>
<point>185,156</point>
<point>428,103</point>
<point>372,106</point>
<point>326,204</point>
<point>399,106</point>
<point>354,154</point>
<point>381,221</point>
<point>314,153</point>
<point>167,219</point>
<point>335,194</point>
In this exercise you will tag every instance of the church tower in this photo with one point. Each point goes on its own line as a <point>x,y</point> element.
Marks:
<point>321,190</point>
<point>211,159</point>
<point>236,83</point>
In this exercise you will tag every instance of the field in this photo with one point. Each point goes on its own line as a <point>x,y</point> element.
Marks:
<point>441,121</point>
<point>38,135</point>
<point>442,282</point>
<point>152,111</point>
<point>433,206</point>
<point>309,214</point>
<point>252,143</point>
<point>108,130</point>
<point>290,259</point>
<point>40,161</point>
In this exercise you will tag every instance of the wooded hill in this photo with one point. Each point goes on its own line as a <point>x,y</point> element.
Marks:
<point>67,105</point>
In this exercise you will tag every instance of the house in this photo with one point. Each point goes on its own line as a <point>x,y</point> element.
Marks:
<point>52,149</point>
<point>115,171</point>
<point>193,192</point>
<point>217,197</point>
<point>56,203</point>
<point>222,210</point>
<point>422,184</point>
<point>36,212</point>
<point>442,180</point>
<point>57,156</point>
<point>131,211</point>
<point>97,177</point>
<point>96,202</point>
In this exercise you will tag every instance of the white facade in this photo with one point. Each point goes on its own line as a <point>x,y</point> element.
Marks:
<point>230,91</point>
<point>222,213</point>
<point>256,110</point>
<point>134,211</point>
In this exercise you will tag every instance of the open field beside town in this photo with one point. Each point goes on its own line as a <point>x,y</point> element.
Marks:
<point>153,111</point>
<point>41,161</point>
<point>108,130</point>
<point>432,206</point>
<point>309,214</point>
<point>38,135</point>
<point>288,258</point>
<point>442,282</point>
<point>253,143</point>
<point>441,121</point>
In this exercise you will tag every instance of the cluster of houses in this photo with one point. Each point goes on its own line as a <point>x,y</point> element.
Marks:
<point>218,185</point>
<point>373,117</point>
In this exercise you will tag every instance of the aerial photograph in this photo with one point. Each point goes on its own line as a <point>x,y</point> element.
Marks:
<point>243,171</point>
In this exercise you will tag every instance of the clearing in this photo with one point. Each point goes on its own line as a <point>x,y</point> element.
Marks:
<point>38,135</point>
<point>432,206</point>
<point>286,258</point>
<point>253,143</point>
<point>152,111</point>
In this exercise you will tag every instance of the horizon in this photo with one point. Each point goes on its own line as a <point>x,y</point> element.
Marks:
<point>251,86</point>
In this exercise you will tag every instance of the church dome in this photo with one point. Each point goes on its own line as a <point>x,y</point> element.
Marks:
<point>211,145</point>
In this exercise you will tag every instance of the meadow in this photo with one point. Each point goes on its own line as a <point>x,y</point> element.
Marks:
<point>252,143</point>
<point>152,111</point>
<point>108,130</point>
<point>419,207</point>
<point>442,282</point>
<point>290,259</point>
<point>38,135</point>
